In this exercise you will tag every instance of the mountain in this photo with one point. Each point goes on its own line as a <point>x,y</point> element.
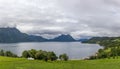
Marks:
<point>99,39</point>
<point>63,38</point>
<point>107,42</point>
<point>12,35</point>
<point>83,40</point>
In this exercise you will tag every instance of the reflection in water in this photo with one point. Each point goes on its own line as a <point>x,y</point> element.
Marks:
<point>75,50</point>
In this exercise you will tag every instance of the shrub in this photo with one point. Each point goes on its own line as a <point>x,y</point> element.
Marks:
<point>9,54</point>
<point>63,57</point>
<point>2,53</point>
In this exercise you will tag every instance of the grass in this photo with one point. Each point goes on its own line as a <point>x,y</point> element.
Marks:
<point>22,63</point>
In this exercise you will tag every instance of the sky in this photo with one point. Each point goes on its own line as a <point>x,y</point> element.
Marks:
<point>50,18</point>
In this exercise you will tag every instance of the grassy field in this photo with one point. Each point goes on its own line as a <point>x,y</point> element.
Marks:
<point>21,63</point>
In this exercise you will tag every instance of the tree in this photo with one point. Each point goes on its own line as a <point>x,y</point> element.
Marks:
<point>52,56</point>
<point>25,54</point>
<point>114,52</point>
<point>63,57</point>
<point>2,53</point>
<point>40,55</point>
<point>32,53</point>
<point>9,54</point>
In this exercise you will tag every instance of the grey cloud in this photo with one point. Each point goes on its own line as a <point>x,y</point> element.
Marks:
<point>51,18</point>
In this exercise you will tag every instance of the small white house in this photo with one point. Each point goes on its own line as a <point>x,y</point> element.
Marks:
<point>30,58</point>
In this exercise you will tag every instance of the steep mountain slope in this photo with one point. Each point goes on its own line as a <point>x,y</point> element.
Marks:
<point>11,35</point>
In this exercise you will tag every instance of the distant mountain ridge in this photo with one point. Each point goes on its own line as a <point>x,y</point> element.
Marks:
<point>64,38</point>
<point>13,35</point>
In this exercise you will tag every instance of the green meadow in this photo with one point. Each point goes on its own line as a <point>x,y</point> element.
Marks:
<point>22,63</point>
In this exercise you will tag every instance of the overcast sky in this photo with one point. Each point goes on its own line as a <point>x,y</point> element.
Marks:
<point>50,18</point>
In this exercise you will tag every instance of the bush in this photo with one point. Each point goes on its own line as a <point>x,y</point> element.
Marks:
<point>92,57</point>
<point>2,53</point>
<point>9,54</point>
<point>63,57</point>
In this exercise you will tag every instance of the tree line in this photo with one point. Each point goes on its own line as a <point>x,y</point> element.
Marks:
<point>112,52</point>
<point>111,49</point>
<point>7,53</point>
<point>43,55</point>
<point>37,55</point>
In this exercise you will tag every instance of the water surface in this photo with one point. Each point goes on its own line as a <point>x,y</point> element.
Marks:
<point>75,50</point>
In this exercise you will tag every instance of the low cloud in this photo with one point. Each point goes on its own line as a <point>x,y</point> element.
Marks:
<point>51,18</point>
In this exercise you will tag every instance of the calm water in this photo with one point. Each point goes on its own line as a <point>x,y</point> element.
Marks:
<point>75,50</point>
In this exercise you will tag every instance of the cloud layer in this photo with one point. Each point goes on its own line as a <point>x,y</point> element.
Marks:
<point>50,18</point>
